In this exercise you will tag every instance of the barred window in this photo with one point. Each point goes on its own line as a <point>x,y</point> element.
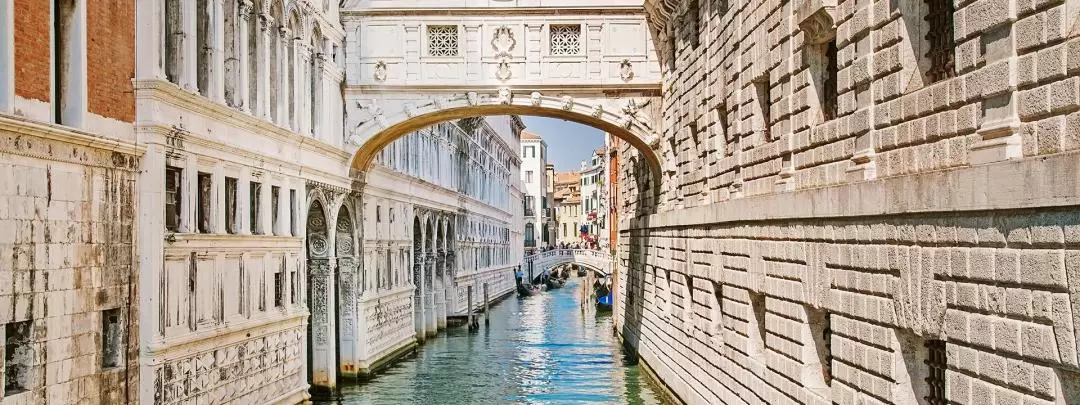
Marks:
<point>939,16</point>
<point>936,363</point>
<point>442,40</point>
<point>565,39</point>
<point>830,85</point>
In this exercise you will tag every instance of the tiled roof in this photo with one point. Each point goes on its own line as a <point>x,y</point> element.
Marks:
<point>529,135</point>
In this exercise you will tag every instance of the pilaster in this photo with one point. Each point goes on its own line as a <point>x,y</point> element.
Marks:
<point>243,198</point>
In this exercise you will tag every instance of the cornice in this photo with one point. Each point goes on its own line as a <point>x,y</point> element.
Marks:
<point>60,133</point>
<point>300,170</point>
<point>634,89</point>
<point>166,92</point>
<point>494,11</point>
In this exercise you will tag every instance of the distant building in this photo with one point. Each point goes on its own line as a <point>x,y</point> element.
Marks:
<point>593,194</point>
<point>567,198</point>
<point>535,190</point>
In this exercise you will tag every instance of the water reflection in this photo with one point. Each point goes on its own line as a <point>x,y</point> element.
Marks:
<point>538,350</point>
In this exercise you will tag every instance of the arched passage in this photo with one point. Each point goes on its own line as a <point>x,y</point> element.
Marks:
<point>370,129</point>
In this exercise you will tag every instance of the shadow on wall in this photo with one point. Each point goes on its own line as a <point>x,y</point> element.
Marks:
<point>633,266</point>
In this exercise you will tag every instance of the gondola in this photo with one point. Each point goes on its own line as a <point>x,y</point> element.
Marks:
<point>525,290</point>
<point>604,302</point>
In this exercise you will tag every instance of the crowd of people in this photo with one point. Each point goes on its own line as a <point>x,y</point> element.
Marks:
<point>578,245</point>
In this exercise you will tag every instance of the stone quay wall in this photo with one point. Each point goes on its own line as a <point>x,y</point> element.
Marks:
<point>921,244</point>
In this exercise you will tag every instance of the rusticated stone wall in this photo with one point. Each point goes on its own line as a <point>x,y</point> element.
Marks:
<point>799,258</point>
<point>69,321</point>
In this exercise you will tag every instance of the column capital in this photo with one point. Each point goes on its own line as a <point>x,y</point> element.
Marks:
<point>267,21</point>
<point>284,32</point>
<point>245,9</point>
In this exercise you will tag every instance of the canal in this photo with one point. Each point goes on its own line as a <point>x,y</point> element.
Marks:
<point>537,350</point>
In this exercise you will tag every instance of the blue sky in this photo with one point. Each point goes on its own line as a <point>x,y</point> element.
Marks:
<point>568,142</point>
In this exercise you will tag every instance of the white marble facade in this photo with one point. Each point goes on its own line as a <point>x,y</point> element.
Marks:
<point>438,209</point>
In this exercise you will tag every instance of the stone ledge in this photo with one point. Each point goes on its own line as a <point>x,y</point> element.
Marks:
<point>65,134</point>
<point>1046,181</point>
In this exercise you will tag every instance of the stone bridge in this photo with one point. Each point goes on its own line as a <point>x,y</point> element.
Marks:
<point>595,260</point>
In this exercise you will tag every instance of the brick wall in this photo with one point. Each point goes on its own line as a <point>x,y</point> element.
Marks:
<point>32,49</point>
<point>65,256</point>
<point>882,217</point>
<point>110,59</point>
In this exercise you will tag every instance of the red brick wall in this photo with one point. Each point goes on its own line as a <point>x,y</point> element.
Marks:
<point>110,42</point>
<point>32,22</point>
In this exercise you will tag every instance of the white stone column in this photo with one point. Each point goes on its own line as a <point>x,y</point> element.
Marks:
<point>7,56</point>
<point>190,50</point>
<point>217,53</point>
<point>243,198</point>
<point>318,80</point>
<point>266,217</point>
<point>263,56</point>
<point>303,86</point>
<point>242,53</point>
<point>218,203</point>
<point>283,76</point>
<point>150,28</point>
<point>72,86</point>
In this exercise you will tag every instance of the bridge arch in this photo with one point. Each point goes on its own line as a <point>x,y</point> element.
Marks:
<point>371,129</point>
<point>595,259</point>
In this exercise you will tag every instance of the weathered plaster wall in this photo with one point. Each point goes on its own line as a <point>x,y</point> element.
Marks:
<point>922,212</point>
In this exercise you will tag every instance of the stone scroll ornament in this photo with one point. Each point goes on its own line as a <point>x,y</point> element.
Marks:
<point>503,43</point>
<point>626,70</point>
<point>380,71</point>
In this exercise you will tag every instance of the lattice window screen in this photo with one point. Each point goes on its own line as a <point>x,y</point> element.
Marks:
<point>442,40</point>
<point>565,39</point>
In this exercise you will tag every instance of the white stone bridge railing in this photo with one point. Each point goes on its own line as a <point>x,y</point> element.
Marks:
<point>596,260</point>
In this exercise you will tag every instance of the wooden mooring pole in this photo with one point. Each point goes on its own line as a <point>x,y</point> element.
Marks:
<point>487,313</point>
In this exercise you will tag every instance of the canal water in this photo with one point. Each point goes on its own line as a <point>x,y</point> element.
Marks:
<point>537,350</point>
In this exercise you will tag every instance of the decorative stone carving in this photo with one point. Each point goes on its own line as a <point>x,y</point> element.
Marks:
<point>597,111</point>
<point>502,71</point>
<point>567,103</point>
<point>320,274</point>
<point>626,70</point>
<point>317,244</point>
<point>380,71</point>
<point>817,20</point>
<point>535,99</point>
<point>503,41</point>
<point>472,98</point>
<point>506,96</point>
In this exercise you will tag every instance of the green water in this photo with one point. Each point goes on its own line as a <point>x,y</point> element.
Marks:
<point>537,350</point>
